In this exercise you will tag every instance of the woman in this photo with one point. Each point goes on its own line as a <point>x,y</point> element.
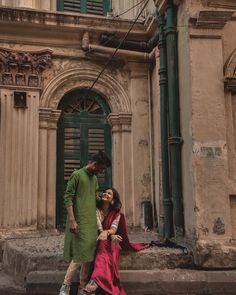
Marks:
<point>112,238</point>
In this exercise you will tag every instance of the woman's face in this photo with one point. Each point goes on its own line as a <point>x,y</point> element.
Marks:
<point>107,196</point>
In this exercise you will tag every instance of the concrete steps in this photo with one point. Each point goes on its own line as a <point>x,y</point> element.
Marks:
<point>148,282</point>
<point>22,256</point>
<point>37,263</point>
<point>8,286</point>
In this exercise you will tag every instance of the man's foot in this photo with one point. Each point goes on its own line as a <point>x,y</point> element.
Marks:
<point>65,290</point>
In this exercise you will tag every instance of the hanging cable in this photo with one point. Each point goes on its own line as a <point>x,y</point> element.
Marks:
<point>117,48</point>
<point>129,9</point>
<point>116,16</point>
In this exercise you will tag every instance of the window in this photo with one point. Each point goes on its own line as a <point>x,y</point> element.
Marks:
<point>97,7</point>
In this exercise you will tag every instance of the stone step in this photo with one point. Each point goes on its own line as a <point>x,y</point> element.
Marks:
<point>8,286</point>
<point>147,282</point>
<point>22,256</point>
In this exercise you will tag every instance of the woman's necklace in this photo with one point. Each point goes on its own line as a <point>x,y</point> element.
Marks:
<point>104,212</point>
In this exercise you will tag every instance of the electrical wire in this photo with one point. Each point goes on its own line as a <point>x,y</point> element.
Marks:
<point>117,48</point>
<point>116,16</point>
<point>129,9</point>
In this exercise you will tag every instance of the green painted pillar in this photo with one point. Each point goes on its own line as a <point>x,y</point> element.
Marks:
<point>175,140</point>
<point>167,203</point>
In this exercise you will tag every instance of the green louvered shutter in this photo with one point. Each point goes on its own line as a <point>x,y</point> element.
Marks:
<point>82,130</point>
<point>97,7</point>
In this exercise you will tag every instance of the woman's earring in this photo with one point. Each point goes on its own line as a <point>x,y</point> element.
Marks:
<point>112,202</point>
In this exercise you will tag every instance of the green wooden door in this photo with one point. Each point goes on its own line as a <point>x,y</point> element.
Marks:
<point>82,131</point>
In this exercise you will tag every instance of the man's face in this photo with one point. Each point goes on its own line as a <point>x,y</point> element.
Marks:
<point>98,168</point>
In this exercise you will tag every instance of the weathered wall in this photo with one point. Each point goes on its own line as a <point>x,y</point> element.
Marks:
<point>124,85</point>
<point>185,84</point>
<point>156,144</point>
<point>206,41</point>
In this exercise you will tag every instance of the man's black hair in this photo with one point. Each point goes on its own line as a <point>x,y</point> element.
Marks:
<point>101,158</point>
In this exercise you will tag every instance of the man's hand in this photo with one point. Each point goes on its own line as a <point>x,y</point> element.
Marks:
<point>116,239</point>
<point>74,227</point>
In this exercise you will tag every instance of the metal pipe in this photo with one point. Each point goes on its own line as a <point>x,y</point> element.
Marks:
<point>175,139</point>
<point>109,41</point>
<point>139,56</point>
<point>163,81</point>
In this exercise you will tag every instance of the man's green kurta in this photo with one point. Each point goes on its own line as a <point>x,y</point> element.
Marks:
<point>81,194</point>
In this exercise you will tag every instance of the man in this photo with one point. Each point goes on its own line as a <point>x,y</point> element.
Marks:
<point>81,228</point>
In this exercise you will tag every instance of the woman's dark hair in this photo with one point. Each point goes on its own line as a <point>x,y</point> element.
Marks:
<point>116,202</point>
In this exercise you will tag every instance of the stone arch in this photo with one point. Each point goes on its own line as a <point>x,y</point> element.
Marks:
<point>80,77</point>
<point>230,73</point>
<point>230,66</point>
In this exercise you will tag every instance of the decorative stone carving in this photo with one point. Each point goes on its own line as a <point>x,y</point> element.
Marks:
<point>48,118</point>
<point>120,122</point>
<point>20,68</point>
<point>83,77</point>
<point>229,4</point>
<point>219,226</point>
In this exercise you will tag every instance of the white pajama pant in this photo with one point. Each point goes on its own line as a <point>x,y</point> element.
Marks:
<point>84,273</point>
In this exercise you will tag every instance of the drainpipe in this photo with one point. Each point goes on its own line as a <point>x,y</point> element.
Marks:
<point>139,56</point>
<point>110,41</point>
<point>175,140</point>
<point>167,203</point>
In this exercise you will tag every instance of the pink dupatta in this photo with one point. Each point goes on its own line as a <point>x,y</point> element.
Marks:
<point>106,273</point>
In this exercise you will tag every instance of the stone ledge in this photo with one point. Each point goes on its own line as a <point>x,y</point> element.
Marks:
<point>22,256</point>
<point>148,282</point>
<point>8,286</point>
<point>215,255</point>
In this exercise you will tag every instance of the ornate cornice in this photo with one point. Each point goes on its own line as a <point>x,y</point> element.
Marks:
<point>23,68</point>
<point>211,19</point>
<point>58,22</point>
<point>120,122</point>
<point>228,4</point>
<point>48,118</point>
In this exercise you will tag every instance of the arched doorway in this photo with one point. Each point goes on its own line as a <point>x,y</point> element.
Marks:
<point>82,130</point>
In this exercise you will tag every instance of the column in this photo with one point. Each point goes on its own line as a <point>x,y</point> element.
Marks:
<point>121,150</point>
<point>140,143</point>
<point>51,169</point>
<point>44,116</point>
<point>19,160</point>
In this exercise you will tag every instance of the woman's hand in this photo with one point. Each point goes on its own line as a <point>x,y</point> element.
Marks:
<point>74,227</point>
<point>116,239</point>
<point>103,235</point>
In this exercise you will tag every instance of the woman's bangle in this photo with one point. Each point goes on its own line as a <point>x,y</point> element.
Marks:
<point>109,236</point>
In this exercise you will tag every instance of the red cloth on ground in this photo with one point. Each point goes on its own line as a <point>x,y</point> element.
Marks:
<point>106,273</point>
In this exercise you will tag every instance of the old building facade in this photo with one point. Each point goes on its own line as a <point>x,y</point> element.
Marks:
<point>163,109</point>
